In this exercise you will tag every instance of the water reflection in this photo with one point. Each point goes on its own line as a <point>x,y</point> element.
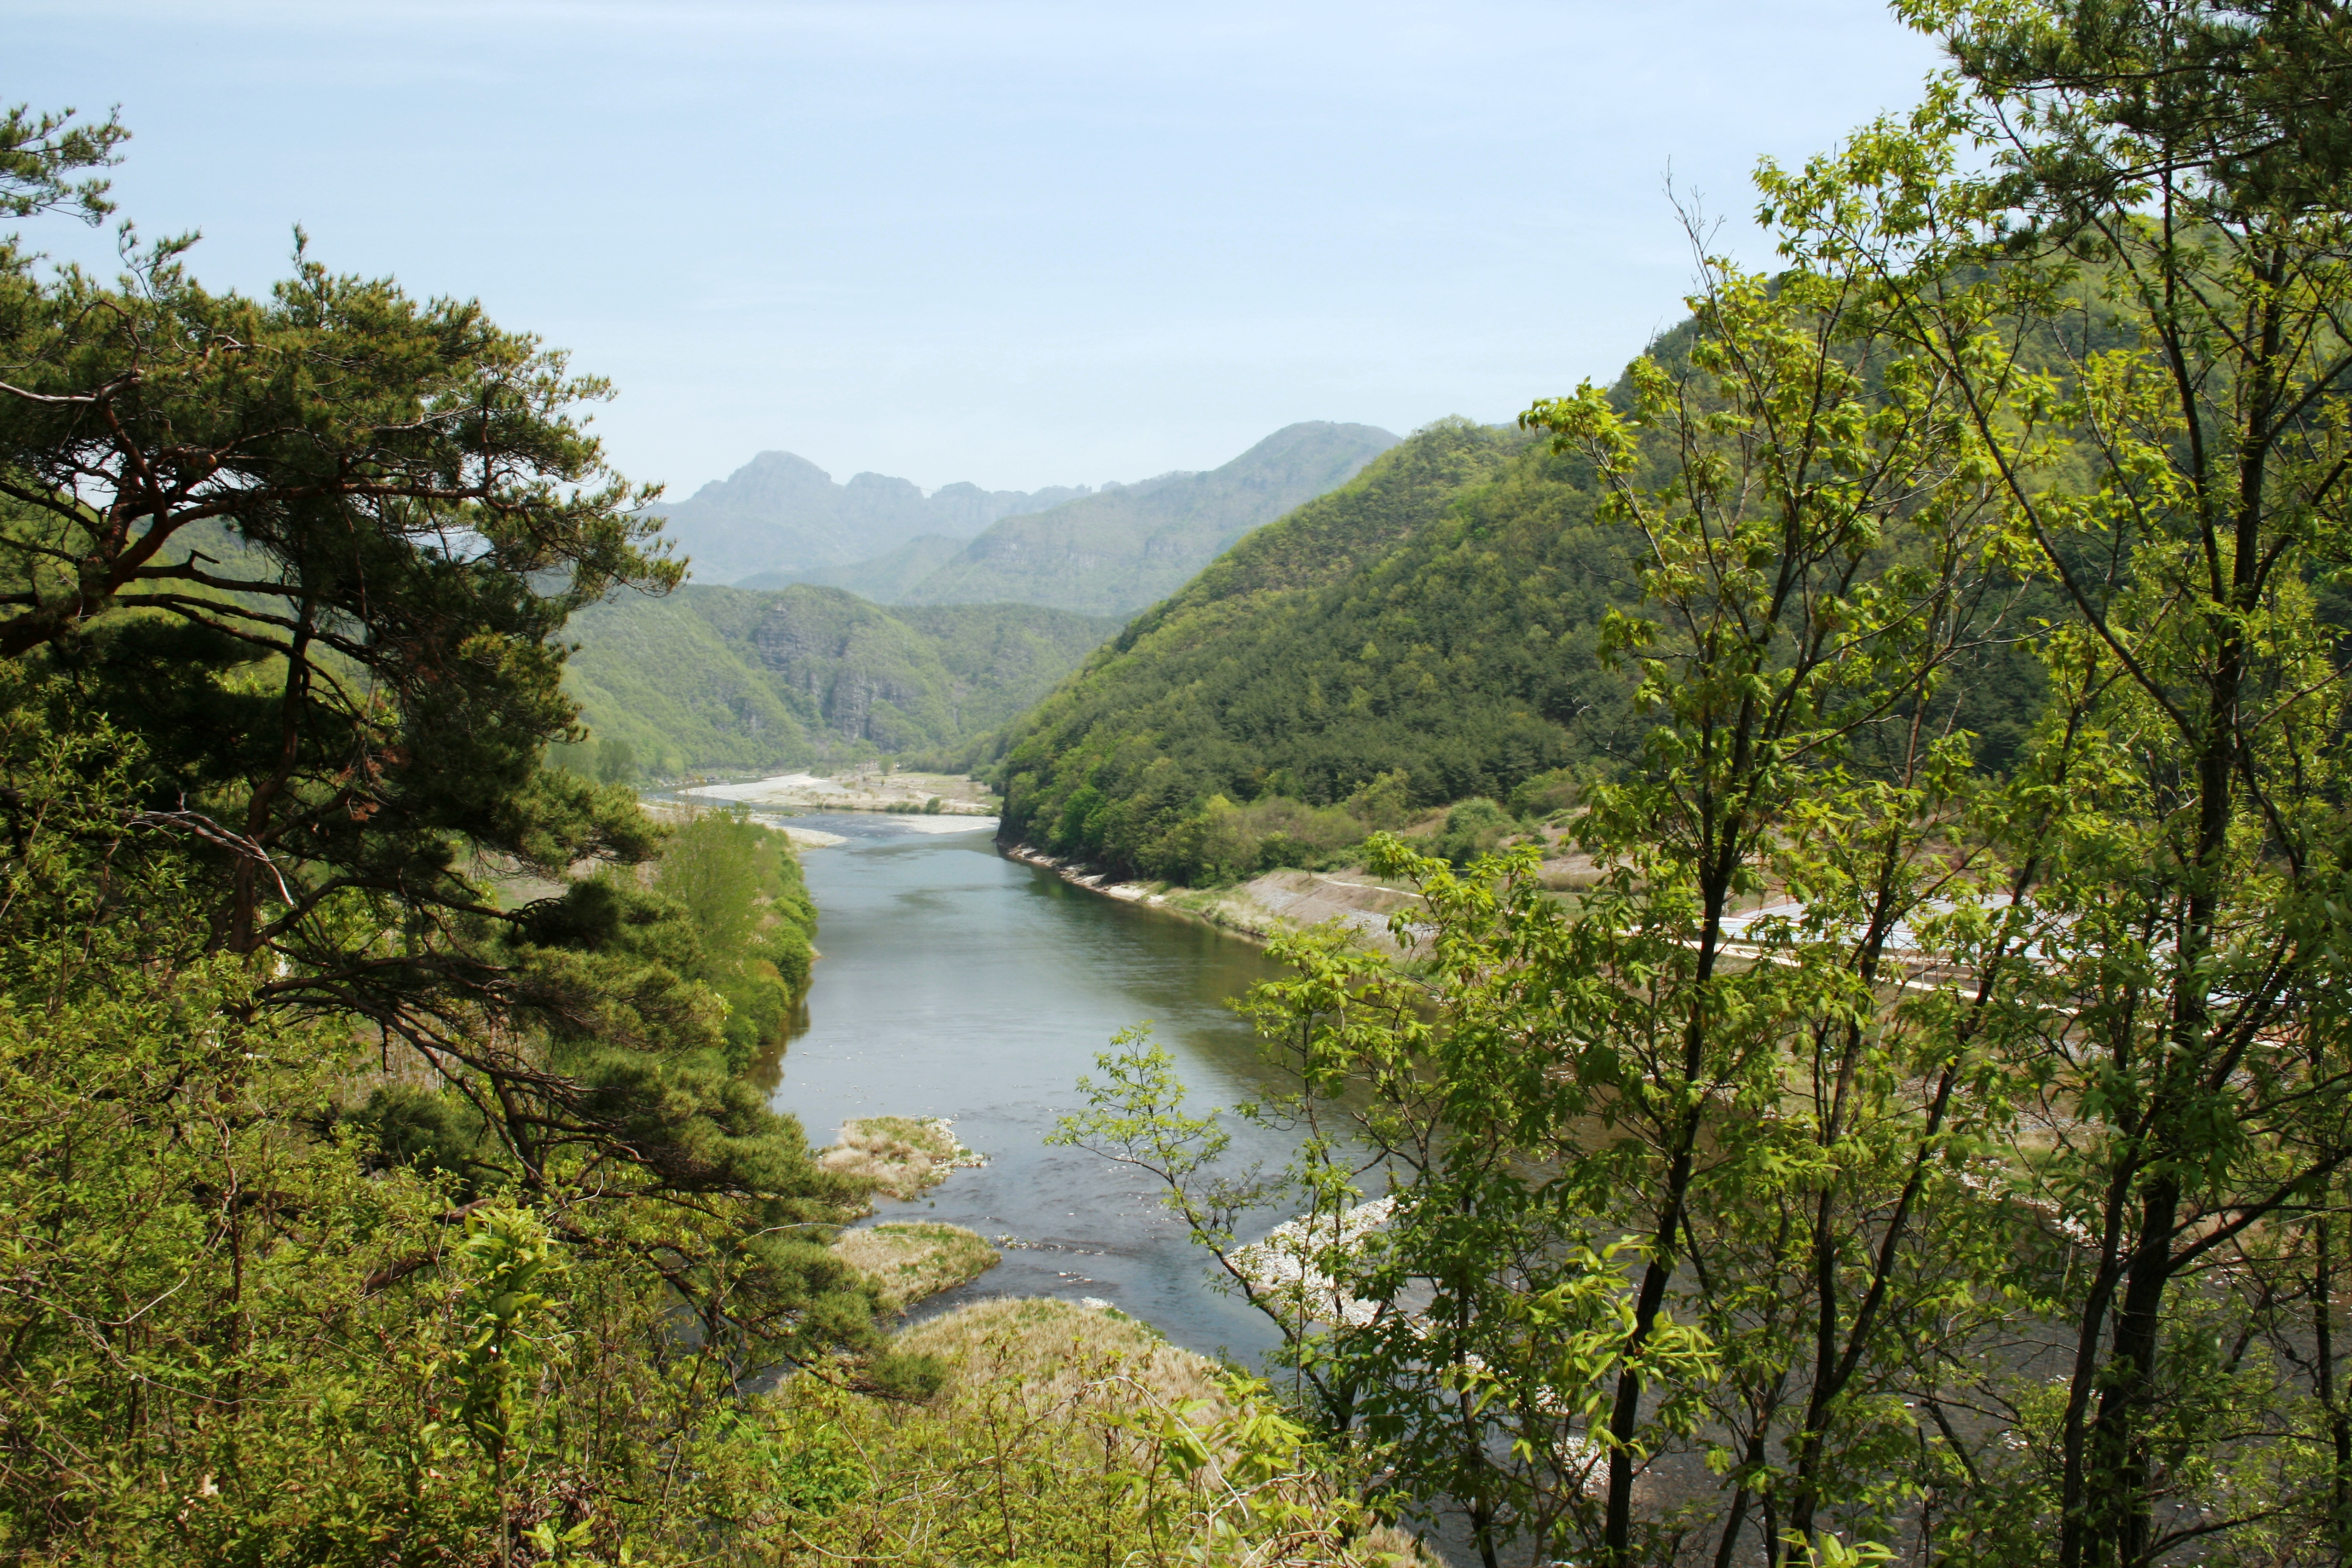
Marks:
<point>956,982</point>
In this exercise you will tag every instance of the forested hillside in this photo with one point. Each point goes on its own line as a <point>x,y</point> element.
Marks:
<point>1430,633</point>
<point>1924,1136</point>
<point>714,678</point>
<point>1117,550</point>
<point>1376,630</point>
<point>883,578</point>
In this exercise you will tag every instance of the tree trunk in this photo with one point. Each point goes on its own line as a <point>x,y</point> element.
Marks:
<point>2339,1425</point>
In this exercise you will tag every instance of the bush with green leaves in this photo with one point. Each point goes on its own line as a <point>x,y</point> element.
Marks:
<point>741,886</point>
<point>244,1325</point>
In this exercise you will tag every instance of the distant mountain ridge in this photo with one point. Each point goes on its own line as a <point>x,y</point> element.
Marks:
<point>777,670</point>
<point>780,520</point>
<point>1120,549</point>
<point>781,516</point>
<point>884,578</point>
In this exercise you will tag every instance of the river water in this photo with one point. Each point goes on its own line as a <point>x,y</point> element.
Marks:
<point>956,982</point>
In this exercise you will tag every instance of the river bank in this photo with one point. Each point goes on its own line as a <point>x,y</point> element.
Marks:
<point>1259,909</point>
<point>873,789</point>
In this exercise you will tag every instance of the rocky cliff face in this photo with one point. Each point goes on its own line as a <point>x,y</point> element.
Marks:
<point>859,670</point>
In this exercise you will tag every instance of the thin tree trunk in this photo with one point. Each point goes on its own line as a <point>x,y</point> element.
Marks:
<point>2121,1527</point>
<point>2089,1328</point>
<point>1624,1414</point>
<point>2340,1426</point>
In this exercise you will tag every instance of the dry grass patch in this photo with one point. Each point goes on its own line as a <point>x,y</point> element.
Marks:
<point>1095,1367</point>
<point>912,1261</point>
<point>1047,1345</point>
<point>1061,1436</point>
<point>903,1157</point>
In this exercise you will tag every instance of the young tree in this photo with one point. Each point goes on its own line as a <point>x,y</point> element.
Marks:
<point>1657,1156</point>
<point>1815,518</point>
<point>2144,301</point>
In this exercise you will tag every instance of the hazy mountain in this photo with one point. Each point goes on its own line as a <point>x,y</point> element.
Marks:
<point>882,579</point>
<point>718,677</point>
<point>783,517</point>
<point>1128,546</point>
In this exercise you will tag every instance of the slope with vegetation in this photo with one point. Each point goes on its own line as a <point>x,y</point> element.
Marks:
<point>1376,651</point>
<point>885,578</point>
<point>1426,636</point>
<point>1115,552</point>
<point>713,679</point>
<point>1064,1436</point>
<point>1980,1198</point>
<point>386,1181</point>
<point>353,1213</point>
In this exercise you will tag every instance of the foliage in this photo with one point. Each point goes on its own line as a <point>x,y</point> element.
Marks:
<point>1432,629</point>
<point>313,551</point>
<point>1473,828</point>
<point>39,153</point>
<point>1064,1437</point>
<point>1225,842</point>
<point>1576,1110</point>
<point>2009,1076</point>
<point>235,1332</point>
<point>2178,171</point>
<point>715,678</point>
<point>354,1212</point>
<point>1428,625</point>
<point>742,889</point>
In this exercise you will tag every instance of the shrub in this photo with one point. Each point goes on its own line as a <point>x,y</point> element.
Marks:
<point>1062,1436</point>
<point>1472,828</point>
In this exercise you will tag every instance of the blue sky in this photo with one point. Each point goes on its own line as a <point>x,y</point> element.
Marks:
<point>1020,242</point>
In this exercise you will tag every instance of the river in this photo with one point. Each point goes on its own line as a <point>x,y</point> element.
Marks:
<point>956,982</point>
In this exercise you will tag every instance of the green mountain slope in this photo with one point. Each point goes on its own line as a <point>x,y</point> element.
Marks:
<point>1118,550</point>
<point>1424,636</point>
<point>1434,617</point>
<point>726,679</point>
<point>882,579</point>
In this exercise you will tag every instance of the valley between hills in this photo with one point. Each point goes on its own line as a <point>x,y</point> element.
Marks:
<point>1797,1002</point>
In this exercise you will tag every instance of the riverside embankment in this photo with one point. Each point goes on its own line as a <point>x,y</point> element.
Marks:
<point>1256,910</point>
